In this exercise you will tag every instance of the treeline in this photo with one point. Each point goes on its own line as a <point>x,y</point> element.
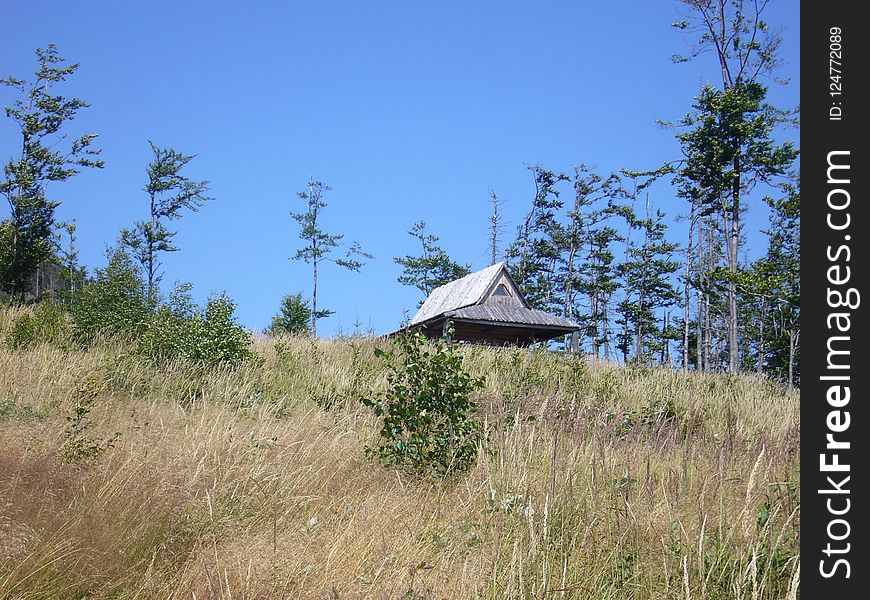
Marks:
<point>591,246</point>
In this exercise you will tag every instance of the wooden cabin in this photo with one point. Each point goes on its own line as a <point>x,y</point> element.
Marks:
<point>487,307</point>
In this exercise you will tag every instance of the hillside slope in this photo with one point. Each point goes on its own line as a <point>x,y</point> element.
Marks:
<point>122,479</point>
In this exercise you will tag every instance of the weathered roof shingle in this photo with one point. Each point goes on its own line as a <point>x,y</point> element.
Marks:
<point>462,299</point>
<point>465,291</point>
<point>511,314</point>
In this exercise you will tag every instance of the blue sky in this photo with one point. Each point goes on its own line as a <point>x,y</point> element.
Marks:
<point>409,110</point>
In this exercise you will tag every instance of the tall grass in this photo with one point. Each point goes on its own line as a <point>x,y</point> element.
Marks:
<point>251,481</point>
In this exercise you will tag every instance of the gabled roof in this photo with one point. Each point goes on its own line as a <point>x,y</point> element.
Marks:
<point>464,303</point>
<point>465,291</point>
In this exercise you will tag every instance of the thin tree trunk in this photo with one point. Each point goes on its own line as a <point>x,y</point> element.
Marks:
<point>733,349</point>
<point>663,355</point>
<point>151,233</point>
<point>760,366</point>
<point>314,301</point>
<point>593,307</point>
<point>639,330</point>
<point>495,225</point>
<point>792,346</point>
<point>708,325</point>
<point>686,295</point>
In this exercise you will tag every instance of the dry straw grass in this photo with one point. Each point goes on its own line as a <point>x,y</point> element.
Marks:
<point>251,482</point>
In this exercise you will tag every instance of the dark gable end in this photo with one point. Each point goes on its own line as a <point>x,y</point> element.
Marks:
<point>503,291</point>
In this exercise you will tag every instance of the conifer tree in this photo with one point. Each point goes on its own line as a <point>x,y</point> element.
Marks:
<point>647,274</point>
<point>533,256</point>
<point>432,268</point>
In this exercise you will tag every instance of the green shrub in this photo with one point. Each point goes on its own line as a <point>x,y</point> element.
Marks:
<point>427,411</point>
<point>47,322</point>
<point>294,316</point>
<point>79,447</point>
<point>114,303</point>
<point>180,330</point>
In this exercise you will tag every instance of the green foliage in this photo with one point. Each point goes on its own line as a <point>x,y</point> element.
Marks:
<point>114,303</point>
<point>531,256</point>
<point>182,331</point>
<point>319,245</point>
<point>427,411</point>
<point>80,447</point>
<point>432,268</point>
<point>728,146</point>
<point>646,273</point>
<point>117,304</point>
<point>773,289</point>
<point>68,259</point>
<point>25,237</point>
<point>47,323</point>
<point>169,193</point>
<point>294,316</point>
<point>586,265</point>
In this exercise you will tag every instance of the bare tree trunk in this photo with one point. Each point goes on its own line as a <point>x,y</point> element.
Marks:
<point>734,233</point>
<point>708,325</point>
<point>664,355</point>
<point>760,366</point>
<point>593,308</point>
<point>639,331</point>
<point>314,301</point>
<point>605,333</point>
<point>686,296</point>
<point>495,226</point>
<point>150,241</point>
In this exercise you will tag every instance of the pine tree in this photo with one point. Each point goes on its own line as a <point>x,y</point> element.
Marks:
<point>533,256</point>
<point>647,279</point>
<point>586,261</point>
<point>432,268</point>
<point>294,316</point>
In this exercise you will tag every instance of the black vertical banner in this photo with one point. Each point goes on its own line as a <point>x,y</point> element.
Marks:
<point>834,372</point>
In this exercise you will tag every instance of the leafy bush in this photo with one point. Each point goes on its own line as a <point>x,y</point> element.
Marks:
<point>114,303</point>
<point>47,322</point>
<point>80,447</point>
<point>428,425</point>
<point>181,330</point>
<point>117,304</point>
<point>294,316</point>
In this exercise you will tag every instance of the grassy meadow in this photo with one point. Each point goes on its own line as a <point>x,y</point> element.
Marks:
<point>122,478</point>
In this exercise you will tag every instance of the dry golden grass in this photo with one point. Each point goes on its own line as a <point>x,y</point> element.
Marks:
<point>252,482</point>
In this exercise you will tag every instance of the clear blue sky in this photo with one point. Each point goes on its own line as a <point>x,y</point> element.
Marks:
<point>409,110</point>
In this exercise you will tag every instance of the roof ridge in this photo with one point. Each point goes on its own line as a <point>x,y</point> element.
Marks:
<point>466,291</point>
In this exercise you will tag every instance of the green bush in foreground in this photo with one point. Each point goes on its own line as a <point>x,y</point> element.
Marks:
<point>427,411</point>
